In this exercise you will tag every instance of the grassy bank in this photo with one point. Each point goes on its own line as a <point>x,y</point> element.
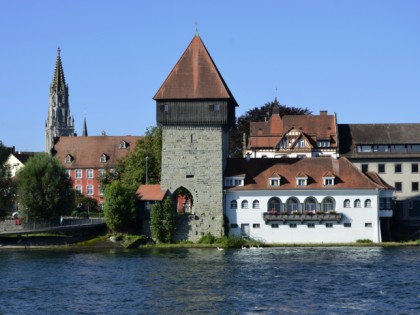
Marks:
<point>140,241</point>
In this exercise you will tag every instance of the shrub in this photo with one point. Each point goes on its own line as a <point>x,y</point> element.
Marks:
<point>364,241</point>
<point>207,239</point>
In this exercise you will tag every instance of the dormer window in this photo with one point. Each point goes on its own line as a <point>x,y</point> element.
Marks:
<point>103,158</point>
<point>68,159</point>
<point>123,145</point>
<point>301,180</point>
<point>323,143</point>
<point>328,181</point>
<point>234,181</point>
<point>274,180</point>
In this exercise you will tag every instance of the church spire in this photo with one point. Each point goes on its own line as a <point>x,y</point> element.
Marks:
<point>59,122</point>
<point>59,81</point>
<point>84,132</point>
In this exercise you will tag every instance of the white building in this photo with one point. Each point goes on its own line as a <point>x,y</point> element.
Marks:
<point>293,136</point>
<point>17,160</point>
<point>319,200</point>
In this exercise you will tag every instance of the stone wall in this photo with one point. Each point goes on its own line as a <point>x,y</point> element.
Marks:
<point>194,157</point>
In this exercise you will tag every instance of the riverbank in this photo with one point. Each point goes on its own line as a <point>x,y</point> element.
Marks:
<point>135,241</point>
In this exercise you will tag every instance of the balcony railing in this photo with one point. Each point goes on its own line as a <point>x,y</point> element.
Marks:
<point>318,216</point>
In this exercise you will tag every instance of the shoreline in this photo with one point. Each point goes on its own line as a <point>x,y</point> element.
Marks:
<point>105,242</point>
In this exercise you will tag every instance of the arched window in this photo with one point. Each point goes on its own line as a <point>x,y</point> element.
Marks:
<point>310,205</point>
<point>357,203</point>
<point>328,204</point>
<point>292,205</point>
<point>255,204</point>
<point>233,204</point>
<point>274,205</point>
<point>347,203</point>
<point>368,203</point>
<point>244,204</point>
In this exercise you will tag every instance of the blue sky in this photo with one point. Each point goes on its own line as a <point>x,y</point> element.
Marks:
<point>358,58</point>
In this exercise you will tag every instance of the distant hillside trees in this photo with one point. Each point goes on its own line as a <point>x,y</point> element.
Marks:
<point>6,184</point>
<point>258,114</point>
<point>44,189</point>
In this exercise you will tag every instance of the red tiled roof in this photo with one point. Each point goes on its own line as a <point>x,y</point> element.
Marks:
<point>195,76</point>
<point>86,151</point>
<point>314,127</point>
<point>151,192</point>
<point>258,172</point>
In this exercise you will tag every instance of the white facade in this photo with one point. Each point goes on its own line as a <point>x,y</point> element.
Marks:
<point>14,164</point>
<point>357,215</point>
<point>267,153</point>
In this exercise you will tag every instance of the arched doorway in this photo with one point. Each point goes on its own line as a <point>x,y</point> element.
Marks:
<point>183,199</point>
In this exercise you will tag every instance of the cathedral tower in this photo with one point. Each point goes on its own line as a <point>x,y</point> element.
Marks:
<point>59,122</point>
<point>195,108</point>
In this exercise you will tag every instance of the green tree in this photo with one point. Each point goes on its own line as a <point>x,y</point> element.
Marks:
<point>44,189</point>
<point>85,203</point>
<point>6,184</point>
<point>146,154</point>
<point>258,114</point>
<point>162,220</point>
<point>119,209</point>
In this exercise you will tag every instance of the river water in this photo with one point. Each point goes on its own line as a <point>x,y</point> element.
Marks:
<point>342,280</point>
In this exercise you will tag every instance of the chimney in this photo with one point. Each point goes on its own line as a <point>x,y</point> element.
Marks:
<point>323,112</point>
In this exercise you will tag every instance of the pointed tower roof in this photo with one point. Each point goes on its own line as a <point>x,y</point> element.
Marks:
<point>195,76</point>
<point>59,82</point>
<point>84,132</point>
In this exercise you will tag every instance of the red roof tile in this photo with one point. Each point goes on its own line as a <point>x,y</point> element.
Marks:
<point>195,76</point>
<point>314,127</point>
<point>258,172</point>
<point>151,192</point>
<point>86,151</point>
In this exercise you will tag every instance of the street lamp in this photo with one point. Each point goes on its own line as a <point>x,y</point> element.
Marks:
<point>147,158</point>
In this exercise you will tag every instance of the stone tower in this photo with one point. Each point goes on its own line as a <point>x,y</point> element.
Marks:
<point>196,109</point>
<point>59,122</point>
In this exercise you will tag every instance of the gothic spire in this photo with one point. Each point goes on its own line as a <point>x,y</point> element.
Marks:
<point>59,81</point>
<point>84,132</point>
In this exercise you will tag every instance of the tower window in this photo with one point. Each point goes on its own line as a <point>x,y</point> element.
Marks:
<point>214,107</point>
<point>164,108</point>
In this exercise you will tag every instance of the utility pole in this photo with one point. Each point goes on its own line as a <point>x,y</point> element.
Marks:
<point>147,179</point>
